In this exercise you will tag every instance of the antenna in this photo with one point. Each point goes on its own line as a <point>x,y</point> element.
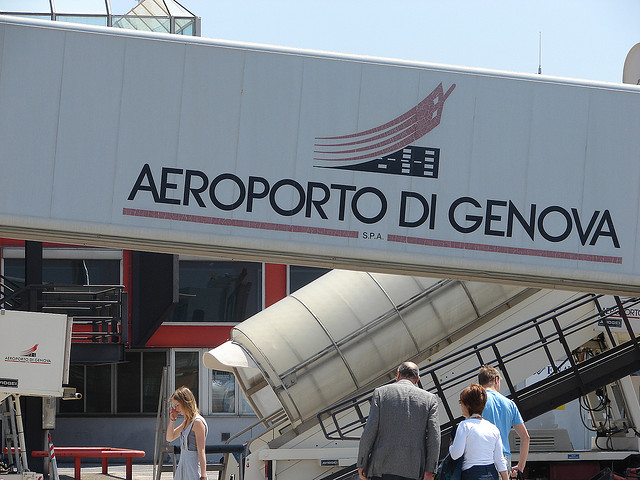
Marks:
<point>540,54</point>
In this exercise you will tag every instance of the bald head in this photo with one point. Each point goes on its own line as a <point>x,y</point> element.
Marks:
<point>408,371</point>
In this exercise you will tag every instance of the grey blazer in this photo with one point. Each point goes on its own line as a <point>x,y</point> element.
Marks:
<point>402,434</point>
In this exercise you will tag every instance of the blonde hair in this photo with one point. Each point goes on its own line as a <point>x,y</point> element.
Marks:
<point>187,401</point>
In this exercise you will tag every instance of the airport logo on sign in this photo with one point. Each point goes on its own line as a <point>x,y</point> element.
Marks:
<point>387,148</point>
<point>28,356</point>
<point>430,219</point>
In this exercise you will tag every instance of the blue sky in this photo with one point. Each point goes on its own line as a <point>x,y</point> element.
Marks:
<point>586,39</point>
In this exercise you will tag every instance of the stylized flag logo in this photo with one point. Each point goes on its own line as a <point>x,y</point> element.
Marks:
<point>376,149</point>
<point>29,352</point>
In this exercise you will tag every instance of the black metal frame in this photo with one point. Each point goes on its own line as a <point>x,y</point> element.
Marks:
<point>560,387</point>
<point>99,312</point>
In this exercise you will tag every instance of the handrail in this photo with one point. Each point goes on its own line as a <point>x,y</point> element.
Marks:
<point>436,371</point>
<point>100,307</point>
<point>5,281</point>
<point>272,421</point>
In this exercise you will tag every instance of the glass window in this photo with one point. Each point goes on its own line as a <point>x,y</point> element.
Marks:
<point>137,381</point>
<point>98,388</point>
<point>301,276</point>
<point>152,365</point>
<point>128,381</point>
<point>80,6</point>
<point>143,22</point>
<point>100,21</point>
<point>212,291</point>
<point>68,271</point>
<point>184,26</point>
<point>32,6</point>
<point>245,407</point>
<point>223,392</point>
<point>186,371</point>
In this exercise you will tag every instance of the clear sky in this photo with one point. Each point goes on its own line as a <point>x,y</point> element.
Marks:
<point>586,39</point>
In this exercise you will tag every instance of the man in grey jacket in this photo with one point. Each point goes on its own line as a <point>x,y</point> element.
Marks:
<point>401,439</point>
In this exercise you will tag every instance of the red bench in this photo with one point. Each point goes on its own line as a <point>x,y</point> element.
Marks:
<point>94,452</point>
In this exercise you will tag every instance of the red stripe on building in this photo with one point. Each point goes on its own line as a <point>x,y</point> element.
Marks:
<point>275,283</point>
<point>280,227</point>
<point>189,335</point>
<point>508,250</point>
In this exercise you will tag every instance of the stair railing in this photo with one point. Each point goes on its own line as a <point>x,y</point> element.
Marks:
<point>543,333</point>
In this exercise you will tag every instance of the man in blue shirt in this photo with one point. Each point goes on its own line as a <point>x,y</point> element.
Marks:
<point>504,414</point>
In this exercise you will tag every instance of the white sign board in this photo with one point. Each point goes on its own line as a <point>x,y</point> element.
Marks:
<point>171,144</point>
<point>615,321</point>
<point>34,353</point>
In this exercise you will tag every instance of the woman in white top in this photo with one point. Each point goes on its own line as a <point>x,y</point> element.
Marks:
<point>192,432</point>
<point>478,439</point>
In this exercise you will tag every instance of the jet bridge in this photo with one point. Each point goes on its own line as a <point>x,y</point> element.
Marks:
<point>307,351</point>
<point>315,158</point>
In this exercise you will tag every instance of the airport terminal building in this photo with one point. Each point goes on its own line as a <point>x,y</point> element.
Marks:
<point>161,311</point>
<point>162,189</point>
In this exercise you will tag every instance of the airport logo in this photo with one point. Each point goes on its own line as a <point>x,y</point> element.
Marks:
<point>387,148</point>
<point>28,356</point>
<point>434,219</point>
<point>30,352</point>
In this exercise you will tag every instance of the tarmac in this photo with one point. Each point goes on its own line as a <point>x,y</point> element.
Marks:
<point>117,472</point>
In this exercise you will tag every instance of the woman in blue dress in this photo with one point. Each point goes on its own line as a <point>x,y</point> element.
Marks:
<point>192,432</point>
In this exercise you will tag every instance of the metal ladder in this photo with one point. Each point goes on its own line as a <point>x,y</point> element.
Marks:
<point>162,448</point>
<point>13,442</point>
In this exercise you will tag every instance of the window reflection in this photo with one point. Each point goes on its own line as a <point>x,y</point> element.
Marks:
<point>218,291</point>
<point>98,388</point>
<point>186,374</point>
<point>223,392</point>
<point>100,21</point>
<point>245,406</point>
<point>68,271</point>
<point>301,276</point>
<point>128,382</point>
<point>152,364</point>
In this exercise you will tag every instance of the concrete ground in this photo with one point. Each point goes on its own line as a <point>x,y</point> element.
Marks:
<point>117,472</point>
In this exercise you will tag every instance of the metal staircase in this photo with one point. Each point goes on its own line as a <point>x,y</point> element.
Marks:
<point>99,315</point>
<point>13,444</point>
<point>584,370</point>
